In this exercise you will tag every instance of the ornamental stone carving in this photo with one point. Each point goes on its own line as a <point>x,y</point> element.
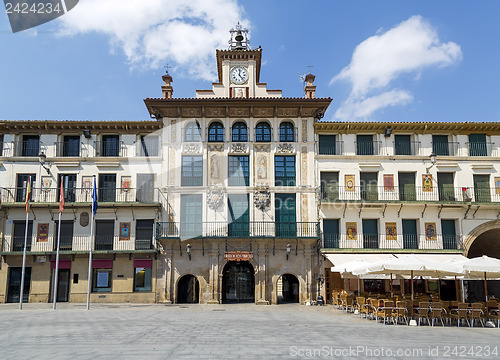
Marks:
<point>216,147</point>
<point>239,148</point>
<point>262,197</point>
<point>192,149</point>
<point>215,197</point>
<point>262,147</point>
<point>285,149</point>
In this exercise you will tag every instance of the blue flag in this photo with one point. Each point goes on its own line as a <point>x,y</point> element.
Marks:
<point>94,199</point>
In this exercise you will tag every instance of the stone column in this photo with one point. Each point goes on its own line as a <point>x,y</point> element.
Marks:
<point>262,281</point>
<point>213,276</point>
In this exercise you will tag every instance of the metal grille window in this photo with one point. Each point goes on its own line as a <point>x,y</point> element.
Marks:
<point>284,170</point>
<point>143,234</point>
<point>329,186</point>
<point>192,171</point>
<point>402,145</point>
<point>239,170</point>
<point>71,146</point>
<point>30,145</point>
<point>440,145</point>
<point>240,132</point>
<point>478,145</point>
<point>263,132</point>
<point>364,145</point>
<point>216,132</point>
<point>193,132</point>
<point>287,132</point>
<point>110,145</point>
<point>327,145</point>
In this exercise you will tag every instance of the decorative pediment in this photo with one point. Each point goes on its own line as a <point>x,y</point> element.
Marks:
<point>285,149</point>
<point>262,147</point>
<point>215,197</point>
<point>262,197</point>
<point>239,148</point>
<point>216,147</point>
<point>191,149</point>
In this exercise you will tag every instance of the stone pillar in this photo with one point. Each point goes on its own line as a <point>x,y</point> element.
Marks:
<point>262,280</point>
<point>213,276</point>
<point>165,269</point>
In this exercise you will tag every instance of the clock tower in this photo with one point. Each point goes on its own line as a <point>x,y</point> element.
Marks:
<point>238,70</point>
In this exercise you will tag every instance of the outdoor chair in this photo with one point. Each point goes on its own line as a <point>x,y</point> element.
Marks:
<point>477,314</point>
<point>360,303</point>
<point>372,309</point>
<point>423,311</point>
<point>460,313</point>
<point>494,314</point>
<point>400,312</point>
<point>385,312</point>
<point>437,312</point>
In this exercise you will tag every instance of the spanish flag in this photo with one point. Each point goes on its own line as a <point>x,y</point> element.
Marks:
<point>28,195</point>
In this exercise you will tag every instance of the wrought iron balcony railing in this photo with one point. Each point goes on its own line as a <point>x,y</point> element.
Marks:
<point>71,149</point>
<point>445,149</point>
<point>333,148</point>
<point>396,241</point>
<point>250,229</point>
<point>80,195</point>
<point>406,147</point>
<point>31,148</point>
<point>110,148</point>
<point>368,147</point>
<point>480,148</point>
<point>80,243</point>
<point>438,194</point>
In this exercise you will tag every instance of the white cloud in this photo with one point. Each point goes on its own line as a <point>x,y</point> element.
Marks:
<point>408,47</point>
<point>154,32</point>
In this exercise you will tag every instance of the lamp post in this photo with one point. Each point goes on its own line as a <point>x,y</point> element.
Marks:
<point>321,280</point>
<point>432,157</point>
<point>188,251</point>
<point>288,250</point>
<point>42,159</point>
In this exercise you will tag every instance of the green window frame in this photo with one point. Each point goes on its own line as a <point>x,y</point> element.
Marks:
<point>284,170</point>
<point>239,170</point>
<point>192,171</point>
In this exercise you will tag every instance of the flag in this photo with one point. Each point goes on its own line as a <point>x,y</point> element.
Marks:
<point>94,199</point>
<point>61,197</point>
<point>28,195</point>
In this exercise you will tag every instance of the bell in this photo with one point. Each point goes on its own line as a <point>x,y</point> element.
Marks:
<point>239,36</point>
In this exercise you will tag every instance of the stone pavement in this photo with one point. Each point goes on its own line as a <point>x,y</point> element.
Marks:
<point>241,331</point>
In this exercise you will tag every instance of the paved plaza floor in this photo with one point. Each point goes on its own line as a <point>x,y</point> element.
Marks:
<point>241,331</point>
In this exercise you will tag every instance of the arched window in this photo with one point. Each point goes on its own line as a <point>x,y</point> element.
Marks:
<point>263,132</point>
<point>240,132</point>
<point>287,132</point>
<point>193,132</point>
<point>216,132</point>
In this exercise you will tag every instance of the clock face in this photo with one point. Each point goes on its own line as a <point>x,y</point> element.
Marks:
<point>239,75</point>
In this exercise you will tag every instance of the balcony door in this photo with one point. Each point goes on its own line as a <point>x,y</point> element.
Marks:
<point>407,190</point>
<point>482,188</point>
<point>331,233</point>
<point>19,232</point>
<point>445,186</point>
<point>145,188</point>
<point>69,187</point>
<point>144,234</point>
<point>410,237</point>
<point>191,215</point>
<point>22,184</point>
<point>449,234</point>
<point>369,186</point>
<point>14,287</point>
<point>370,234</point>
<point>285,211</point>
<point>66,240</point>
<point>104,234</point>
<point>107,187</point>
<point>239,216</point>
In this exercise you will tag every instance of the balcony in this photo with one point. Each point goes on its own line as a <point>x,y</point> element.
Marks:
<point>410,193</point>
<point>76,243</point>
<point>480,148</point>
<point>391,242</point>
<point>71,149</point>
<point>333,148</point>
<point>110,149</point>
<point>368,147</point>
<point>445,148</point>
<point>11,196</point>
<point>252,229</point>
<point>406,147</point>
<point>30,148</point>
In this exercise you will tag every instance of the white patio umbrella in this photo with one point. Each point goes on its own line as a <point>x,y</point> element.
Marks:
<point>345,270</point>
<point>412,265</point>
<point>483,267</point>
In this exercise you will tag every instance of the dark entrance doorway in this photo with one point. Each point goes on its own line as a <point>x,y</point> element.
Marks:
<point>63,285</point>
<point>289,289</point>
<point>15,284</point>
<point>188,290</point>
<point>238,282</point>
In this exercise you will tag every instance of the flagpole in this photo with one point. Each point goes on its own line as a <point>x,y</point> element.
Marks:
<point>91,246</point>
<point>56,276</point>
<point>24,263</point>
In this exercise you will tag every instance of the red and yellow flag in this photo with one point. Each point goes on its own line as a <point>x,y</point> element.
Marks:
<point>28,195</point>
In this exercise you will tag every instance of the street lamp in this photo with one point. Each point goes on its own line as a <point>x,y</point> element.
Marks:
<point>288,250</point>
<point>42,160</point>
<point>321,280</point>
<point>432,157</point>
<point>188,251</point>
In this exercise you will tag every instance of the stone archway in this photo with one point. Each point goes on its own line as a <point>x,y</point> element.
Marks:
<point>188,290</point>
<point>483,240</point>
<point>238,282</point>
<point>289,289</point>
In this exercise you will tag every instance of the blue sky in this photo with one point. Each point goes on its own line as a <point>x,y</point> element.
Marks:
<point>379,60</point>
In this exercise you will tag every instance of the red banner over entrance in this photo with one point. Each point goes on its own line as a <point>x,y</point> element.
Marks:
<point>238,255</point>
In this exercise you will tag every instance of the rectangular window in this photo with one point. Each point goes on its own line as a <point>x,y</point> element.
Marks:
<point>22,184</point>
<point>144,234</point>
<point>364,145</point>
<point>145,188</point>
<point>104,234</point>
<point>410,237</point>
<point>107,188</point>
<point>70,146</point>
<point>239,170</point>
<point>445,186</point>
<point>440,145</point>
<point>331,233</point>
<point>327,145</point>
<point>284,170</point>
<point>369,186</point>
<point>449,234</point>
<point>239,215</point>
<point>66,240</point>
<point>370,234</point>
<point>191,216</point>
<point>478,145</point>
<point>101,280</point>
<point>30,145</point>
<point>110,145</point>
<point>329,186</point>
<point>285,212</point>
<point>69,187</point>
<point>192,171</point>
<point>142,274</point>
<point>148,145</point>
<point>402,145</point>
<point>482,188</point>
<point>19,232</point>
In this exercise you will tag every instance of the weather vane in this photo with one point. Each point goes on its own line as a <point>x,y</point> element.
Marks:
<point>167,67</point>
